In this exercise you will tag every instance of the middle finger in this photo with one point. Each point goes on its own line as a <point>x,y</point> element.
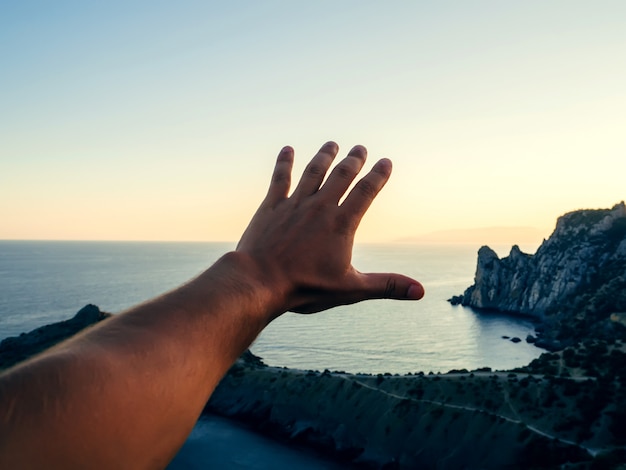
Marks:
<point>316,170</point>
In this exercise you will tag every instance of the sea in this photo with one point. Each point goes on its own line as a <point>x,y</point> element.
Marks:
<point>48,281</point>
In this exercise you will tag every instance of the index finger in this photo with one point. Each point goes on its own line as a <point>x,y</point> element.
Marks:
<point>360,198</point>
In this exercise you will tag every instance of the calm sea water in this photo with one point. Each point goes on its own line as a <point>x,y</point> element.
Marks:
<point>43,282</point>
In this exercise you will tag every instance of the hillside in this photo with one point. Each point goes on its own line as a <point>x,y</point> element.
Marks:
<point>480,419</point>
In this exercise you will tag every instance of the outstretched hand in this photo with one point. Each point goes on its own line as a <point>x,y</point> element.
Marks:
<point>302,244</point>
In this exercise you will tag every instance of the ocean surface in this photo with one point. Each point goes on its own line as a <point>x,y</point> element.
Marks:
<point>44,282</point>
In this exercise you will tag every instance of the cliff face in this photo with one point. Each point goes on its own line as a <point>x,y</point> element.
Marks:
<point>577,275</point>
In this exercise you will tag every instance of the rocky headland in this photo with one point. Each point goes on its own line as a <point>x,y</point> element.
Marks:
<point>574,285</point>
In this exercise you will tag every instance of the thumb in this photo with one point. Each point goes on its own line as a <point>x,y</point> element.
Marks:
<point>393,286</point>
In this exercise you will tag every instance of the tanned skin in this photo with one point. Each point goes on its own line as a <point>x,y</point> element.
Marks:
<point>127,392</point>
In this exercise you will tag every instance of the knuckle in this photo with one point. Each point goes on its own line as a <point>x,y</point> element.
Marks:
<point>314,169</point>
<point>367,188</point>
<point>281,177</point>
<point>344,171</point>
<point>390,288</point>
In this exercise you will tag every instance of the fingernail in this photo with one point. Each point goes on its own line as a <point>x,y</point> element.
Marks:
<point>285,154</point>
<point>383,166</point>
<point>415,292</point>
<point>358,150</point>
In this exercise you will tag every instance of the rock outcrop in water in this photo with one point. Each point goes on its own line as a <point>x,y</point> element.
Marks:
<point>574,284</point>
<point>18,348</point>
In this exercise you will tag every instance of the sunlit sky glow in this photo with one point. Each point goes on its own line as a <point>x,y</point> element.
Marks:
<point>141,120</point>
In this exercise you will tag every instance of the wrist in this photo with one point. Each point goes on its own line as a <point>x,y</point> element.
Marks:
<point>255,289</point>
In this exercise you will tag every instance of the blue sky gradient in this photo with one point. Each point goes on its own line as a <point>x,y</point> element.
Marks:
<point>161,120</point>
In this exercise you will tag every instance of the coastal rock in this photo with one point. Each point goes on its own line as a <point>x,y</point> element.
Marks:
<point>18,348</point>
<point>576,279</point>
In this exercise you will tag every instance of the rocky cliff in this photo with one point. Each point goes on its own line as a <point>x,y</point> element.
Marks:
<point>576,281</point>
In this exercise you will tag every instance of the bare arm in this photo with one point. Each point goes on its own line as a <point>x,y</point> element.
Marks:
<point>127,393</point>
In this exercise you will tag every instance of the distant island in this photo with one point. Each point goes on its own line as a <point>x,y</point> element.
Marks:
<point>568,407</point>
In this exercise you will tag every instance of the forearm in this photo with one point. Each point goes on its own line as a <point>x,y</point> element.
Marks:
<point>138,381</point>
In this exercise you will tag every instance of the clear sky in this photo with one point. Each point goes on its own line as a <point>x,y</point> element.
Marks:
<point>153,120</point>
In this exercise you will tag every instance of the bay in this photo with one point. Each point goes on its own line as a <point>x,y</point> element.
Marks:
<point>43,282</point>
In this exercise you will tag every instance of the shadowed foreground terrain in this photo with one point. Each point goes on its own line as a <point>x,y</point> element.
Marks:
<point>462,419</point>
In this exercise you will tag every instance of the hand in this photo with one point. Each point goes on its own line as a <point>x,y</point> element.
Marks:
<point>302,244</point>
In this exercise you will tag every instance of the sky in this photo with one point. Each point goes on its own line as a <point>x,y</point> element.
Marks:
<point>154,120</point>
